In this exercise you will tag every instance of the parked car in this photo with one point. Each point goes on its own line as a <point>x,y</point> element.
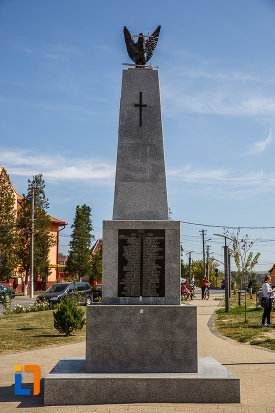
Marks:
<point>4,290</point>
<point>97,292</point>
<point>80,291</point>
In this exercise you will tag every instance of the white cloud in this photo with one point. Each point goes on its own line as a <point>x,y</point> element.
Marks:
<point>225,181</point>
<point>223,101</point>
<point>195,73</point>
<point>82,110</point>
<point>92,170</point>
<point>205,90</point>
<point>53,56</point>
<point>56,167</point>
<point>50,50</point>
<point>194,175</point>
<point>261,146</point>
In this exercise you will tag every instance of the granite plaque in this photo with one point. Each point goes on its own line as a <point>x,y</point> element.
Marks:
<point>141,263</point>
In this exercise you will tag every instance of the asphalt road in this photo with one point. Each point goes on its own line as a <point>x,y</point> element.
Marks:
<point>26,300</point>
<point>20,300</point>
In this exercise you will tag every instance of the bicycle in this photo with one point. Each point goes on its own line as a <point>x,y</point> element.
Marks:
<point>193,294</point>
<point>207,293</point>
<point>185,296</point>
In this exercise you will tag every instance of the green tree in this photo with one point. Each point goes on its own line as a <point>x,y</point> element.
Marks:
<point>8,231</point>
<point>255,282</point>
<point>79,259</point>
<point>68,317</point>
<point>96,266</point>
<point>184,270</point>
<point>244,258</point>
<point>42,238</point>
<point>197,270</point>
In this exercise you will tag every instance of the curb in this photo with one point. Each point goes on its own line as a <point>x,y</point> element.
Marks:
<point>210,325</point>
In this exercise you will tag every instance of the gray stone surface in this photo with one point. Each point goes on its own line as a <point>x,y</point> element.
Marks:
<point>140,188</point>
<point>142,351</point>
<point>110,262</point>
<point>141,339</point>
<point>69,384</point>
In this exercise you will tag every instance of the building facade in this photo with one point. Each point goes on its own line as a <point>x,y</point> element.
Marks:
<point>272,274</point>
<point>56,225</point>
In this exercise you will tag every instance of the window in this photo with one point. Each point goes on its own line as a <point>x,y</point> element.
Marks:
<point>80,286</point>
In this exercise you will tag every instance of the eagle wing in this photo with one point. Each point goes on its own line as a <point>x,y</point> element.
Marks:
<point>130,45</point>
<point>151,44</point>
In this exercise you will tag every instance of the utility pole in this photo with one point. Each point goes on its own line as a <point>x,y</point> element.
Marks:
<point>32,242</point>
<point>207,261</point>
<point>203,232</point>
<point>226,275</point>
<point>190,265</point>
<point>229,273</point>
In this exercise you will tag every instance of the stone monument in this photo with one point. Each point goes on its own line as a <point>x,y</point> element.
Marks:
<point>141,343</point>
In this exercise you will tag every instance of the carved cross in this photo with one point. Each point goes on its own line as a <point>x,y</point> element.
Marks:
<point>140,105</point>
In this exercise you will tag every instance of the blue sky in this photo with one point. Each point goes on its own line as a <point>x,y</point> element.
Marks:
<point>60,80</point>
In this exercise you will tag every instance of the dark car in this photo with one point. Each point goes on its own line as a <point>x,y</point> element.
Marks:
<point>81,292</point>
<point>4,290</point>
<point>97,292</point>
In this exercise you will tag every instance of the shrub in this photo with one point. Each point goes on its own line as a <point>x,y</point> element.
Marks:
<point>68,317</point>
<point>38,306</point>
<point>19,309</point>
<point>5,300</point>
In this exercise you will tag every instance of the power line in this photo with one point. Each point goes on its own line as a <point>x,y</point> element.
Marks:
<point>223,226</point>
<point>69,236</point>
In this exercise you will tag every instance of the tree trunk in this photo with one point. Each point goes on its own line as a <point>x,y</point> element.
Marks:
<point>26,284</point>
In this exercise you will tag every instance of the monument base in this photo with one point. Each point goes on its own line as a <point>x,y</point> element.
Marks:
<point>141,339</point>
<point>69,384</point>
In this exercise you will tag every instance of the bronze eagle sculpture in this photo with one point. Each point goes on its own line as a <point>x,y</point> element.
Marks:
<point>142,50</point>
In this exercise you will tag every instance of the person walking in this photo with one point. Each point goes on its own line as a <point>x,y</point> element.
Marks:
<point>267,292</point>
<point>204,284</point>
<point>249,287</point>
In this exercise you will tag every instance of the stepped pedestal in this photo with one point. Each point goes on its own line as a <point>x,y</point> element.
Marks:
<point>141,344</point>
<point>69,384</point>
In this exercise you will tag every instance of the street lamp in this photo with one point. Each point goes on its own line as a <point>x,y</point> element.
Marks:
<point>32,240</point>
<point>226,275</point>
<point>207,258</point>
<point>189,263</point>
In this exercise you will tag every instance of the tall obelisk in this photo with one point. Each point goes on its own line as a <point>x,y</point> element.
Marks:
<point>140,186</point>
<point>141,253</point>
<point>141,344</point>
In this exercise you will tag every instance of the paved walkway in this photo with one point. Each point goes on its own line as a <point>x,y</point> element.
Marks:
<point>254,366</point>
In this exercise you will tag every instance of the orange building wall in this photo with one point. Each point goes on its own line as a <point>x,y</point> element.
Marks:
<point>272,273</point>
<point>56,226</point>
<point>52,276</point>
<point>53,253</point>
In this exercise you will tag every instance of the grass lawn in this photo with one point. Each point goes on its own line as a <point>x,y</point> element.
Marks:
<point>233,324</point>
<point>34,293</point>
<point>21,332</point>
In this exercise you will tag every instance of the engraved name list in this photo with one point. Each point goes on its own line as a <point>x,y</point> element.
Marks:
<point>141,263</point>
